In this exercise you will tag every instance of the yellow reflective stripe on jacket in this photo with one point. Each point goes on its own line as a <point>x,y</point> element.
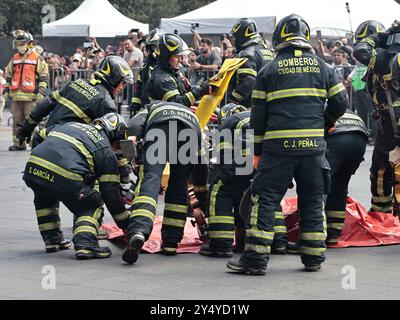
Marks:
<point>336,89</point>
<point>71,106</point>
<point>221,234</point>
<point>176,208</point>
<point>81,147</point>
<point>47,212</point>
<point>110,178</point>
<point>55,168</point>
<point>191,97</point>
<point>241,124</point>
<point>145,199</point>
<point>296,92</point>
<point>312,251</point>
<point>170,94</point>
<point>247,71</point>
<point>336,214</point>
<point>258,139</point>
<point>49,226</point>
<point>313,236</point>
<point>237,95</point>
<point>160,109</point>
<point>257,248</point>
<point>142,213</point>
<point>174,222</point>
<point>221,219</point>
<point>121,216</point>
<point>257,94</point>
<point>259,234</point>
<point>279,134</point>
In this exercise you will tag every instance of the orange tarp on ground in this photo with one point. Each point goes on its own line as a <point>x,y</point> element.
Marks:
<point>361,229</point>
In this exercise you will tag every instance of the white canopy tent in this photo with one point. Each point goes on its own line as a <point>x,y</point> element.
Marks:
<point>329,16</point>
<point>93,18</point>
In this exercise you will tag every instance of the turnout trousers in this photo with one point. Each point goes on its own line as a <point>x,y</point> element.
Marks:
<point>345,153</point>
<point>269,186</point>
<point>144,206</point>
<point>87,212</point>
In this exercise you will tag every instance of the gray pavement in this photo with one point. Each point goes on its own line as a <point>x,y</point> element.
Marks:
<point>374,272</point>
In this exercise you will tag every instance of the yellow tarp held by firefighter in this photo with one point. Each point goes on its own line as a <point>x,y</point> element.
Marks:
<point>220,81</point>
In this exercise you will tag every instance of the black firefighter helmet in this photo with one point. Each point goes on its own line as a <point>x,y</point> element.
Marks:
<point>168,45</point>
<point>292,30</point>
<point>228,110</point>
<point>244,31</point>
<point>113,70</point>
<point>368,28</point>
<point>114,125</point>
<point>152,39</point>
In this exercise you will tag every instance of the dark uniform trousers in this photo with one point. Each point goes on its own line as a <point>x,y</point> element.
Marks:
<point>345,153</point>
<point>224,209</point>
<point>143,210</point>
<point>381,171</point>
<point>269,187</point>
<point>87,212</point>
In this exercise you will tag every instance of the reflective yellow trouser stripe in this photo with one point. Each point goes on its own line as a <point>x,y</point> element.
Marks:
<point>176,208</point>
<point>49,226</point>
<point>254,212</point>
<point>145,199</point>
<point>338,226</point>
<point>312,251</point>
<point>257,248</point>
<point>141,174</point>
<point>85,229</point>
<point>213,197</point>
<point>296,92</point>
<point>55,168</point>
<point>280,229</point>
<point>121,216</point>
<point>174,222</point>
<point>142,213</point>
<point>313,236</point>
<point>221,219</point>
<point>77,144</point>
<point>279,215</point>
<point>259,234</point>
<point>379,182</point>
<point>88,219</point>
<point>221,234</point>
<point>336,214</point>
<point>47,212</point>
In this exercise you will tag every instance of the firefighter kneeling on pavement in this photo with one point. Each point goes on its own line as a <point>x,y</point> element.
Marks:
<point>160,127</point>
<point>289,122</point>
<point>27,75</point>
<point>64,168</point>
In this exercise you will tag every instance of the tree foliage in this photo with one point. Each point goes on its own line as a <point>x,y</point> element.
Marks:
<point>26,14</point>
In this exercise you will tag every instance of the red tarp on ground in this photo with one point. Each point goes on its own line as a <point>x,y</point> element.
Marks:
<point>361,229</point>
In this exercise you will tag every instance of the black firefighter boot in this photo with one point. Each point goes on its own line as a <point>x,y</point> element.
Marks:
<point>135,243</point>
<point>56,242</point>
<point>238,265</point>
